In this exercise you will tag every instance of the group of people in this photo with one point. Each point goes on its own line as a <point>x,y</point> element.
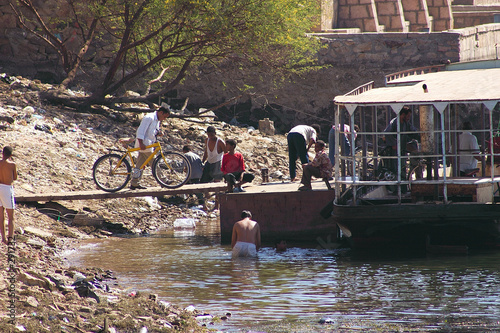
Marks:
<point>302,137</point>
<point>219,161</point>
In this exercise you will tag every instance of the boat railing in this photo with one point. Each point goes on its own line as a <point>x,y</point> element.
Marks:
<point>414,71</point>
<point>361,89</point>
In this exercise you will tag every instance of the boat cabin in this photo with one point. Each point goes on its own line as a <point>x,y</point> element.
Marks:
<point>410,145</point>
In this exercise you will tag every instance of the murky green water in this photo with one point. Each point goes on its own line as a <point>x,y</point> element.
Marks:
<point>292,291</point>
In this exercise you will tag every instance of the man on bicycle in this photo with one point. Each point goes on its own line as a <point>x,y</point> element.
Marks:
<point>145,136</point>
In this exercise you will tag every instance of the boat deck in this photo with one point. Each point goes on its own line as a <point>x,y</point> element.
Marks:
<point>283,212</point>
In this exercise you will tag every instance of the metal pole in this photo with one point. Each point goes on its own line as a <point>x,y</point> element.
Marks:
<point>337,158</point>
<point>443,147</point>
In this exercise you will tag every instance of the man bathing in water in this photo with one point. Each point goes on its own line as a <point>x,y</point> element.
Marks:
<point>8,174</point>
<point>246,236</point>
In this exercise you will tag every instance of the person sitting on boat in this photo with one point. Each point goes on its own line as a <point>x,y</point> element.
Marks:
<point>391,140</point>
<point>468,149</point>
<point>233,168</point>
<point>320,167</point>
<point>245,240</point>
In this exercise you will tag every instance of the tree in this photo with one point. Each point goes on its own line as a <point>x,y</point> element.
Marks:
<point>165,39</point>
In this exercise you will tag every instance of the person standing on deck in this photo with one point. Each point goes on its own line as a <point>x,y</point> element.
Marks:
<point>300,139</point>
<point>145,136</point>
<point>245,240</point>
<point>391,139</point>
<point>344,139</point>
<point>468,149</point>
<point>214,150</point>
<point>8,173</point>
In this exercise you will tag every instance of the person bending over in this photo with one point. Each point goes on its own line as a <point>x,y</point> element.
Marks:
<point>300,139</point>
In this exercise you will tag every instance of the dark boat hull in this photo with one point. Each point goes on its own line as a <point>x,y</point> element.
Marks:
<point>411,225</point>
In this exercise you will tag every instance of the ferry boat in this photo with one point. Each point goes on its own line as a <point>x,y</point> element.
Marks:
<point>419,199</point>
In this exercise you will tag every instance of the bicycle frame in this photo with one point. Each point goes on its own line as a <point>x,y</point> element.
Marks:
<point>128,152</point>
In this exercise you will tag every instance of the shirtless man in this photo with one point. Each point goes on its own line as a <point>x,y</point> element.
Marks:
<point>8,174</point>
<point>214,150</point>
<point>246,236</point>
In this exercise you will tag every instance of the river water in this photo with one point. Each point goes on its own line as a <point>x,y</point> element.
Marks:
<point>295,290</point>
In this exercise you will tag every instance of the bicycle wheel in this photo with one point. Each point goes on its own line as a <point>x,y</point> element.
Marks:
<point>110,174</point>
<point>172,170</point>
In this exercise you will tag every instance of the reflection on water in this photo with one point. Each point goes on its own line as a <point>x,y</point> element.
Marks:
<point>300,286</point>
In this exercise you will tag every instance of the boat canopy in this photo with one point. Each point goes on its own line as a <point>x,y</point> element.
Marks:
<point>472,86</point>
<point>441,98</point>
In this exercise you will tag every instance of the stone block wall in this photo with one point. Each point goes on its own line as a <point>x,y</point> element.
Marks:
<point>360,14</point>
<point>472,15</point>
<point>481,42</point>
<point>391,50</point>
<point>391,15</point>
<point>397,50</point>
<point>442,15</point>
<point>417,14</point>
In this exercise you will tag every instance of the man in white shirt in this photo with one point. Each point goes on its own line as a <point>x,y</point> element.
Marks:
<point>145,136</point>
<point>468,149</point>
<point>300,139</point>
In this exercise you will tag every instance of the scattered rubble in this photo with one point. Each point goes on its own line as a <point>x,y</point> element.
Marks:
<point>54,150</point>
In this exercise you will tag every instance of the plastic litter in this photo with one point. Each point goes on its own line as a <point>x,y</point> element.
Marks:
<point>43,128</point>
<point>185,223</point>
<point>190,308</point>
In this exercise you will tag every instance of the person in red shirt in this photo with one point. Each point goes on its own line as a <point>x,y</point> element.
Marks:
<point>233,168</point>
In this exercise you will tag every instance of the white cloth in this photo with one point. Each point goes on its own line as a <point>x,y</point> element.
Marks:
<point>7,196</point>
<point>306,131</point>
<point>147,130</point>
<point>244,249</point>
<point>212,155</point>
<point>468,147</point>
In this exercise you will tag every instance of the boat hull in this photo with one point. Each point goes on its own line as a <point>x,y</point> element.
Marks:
<point>415,225</point>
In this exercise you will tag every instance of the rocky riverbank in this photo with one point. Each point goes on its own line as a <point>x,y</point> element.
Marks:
<point>54,150</point>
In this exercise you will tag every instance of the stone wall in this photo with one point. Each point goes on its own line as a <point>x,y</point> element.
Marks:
<point>360,14</point>
<point>406,15</point>
<point>391,50</point>
<point>416,13</point>
<point>397,50</point>
<point>391,15</point>
<point>481,42</point>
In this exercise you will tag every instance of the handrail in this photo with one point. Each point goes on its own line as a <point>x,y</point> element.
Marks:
<point>414,71</point>
<point>361,89</point>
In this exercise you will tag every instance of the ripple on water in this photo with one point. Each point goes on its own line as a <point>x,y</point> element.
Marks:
<point>300,286</point>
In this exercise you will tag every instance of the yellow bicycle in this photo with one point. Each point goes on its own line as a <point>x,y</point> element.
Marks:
<point>112,172</point>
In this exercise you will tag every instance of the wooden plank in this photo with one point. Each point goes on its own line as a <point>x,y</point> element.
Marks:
<point>125,193</point>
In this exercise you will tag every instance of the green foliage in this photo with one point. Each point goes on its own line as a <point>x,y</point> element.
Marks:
<point>167,32</point>
<point>150,35</point>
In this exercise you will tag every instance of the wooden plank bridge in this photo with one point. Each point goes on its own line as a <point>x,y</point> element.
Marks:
<point>125,193</point>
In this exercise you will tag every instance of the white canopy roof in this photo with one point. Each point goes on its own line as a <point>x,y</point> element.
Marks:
<point>443,88</point>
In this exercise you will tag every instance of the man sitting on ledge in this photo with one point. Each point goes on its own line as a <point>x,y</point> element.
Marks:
<point>320,167</point>
<point>233,168</point>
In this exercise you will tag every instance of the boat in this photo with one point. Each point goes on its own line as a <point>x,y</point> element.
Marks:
<point>423,201</point>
